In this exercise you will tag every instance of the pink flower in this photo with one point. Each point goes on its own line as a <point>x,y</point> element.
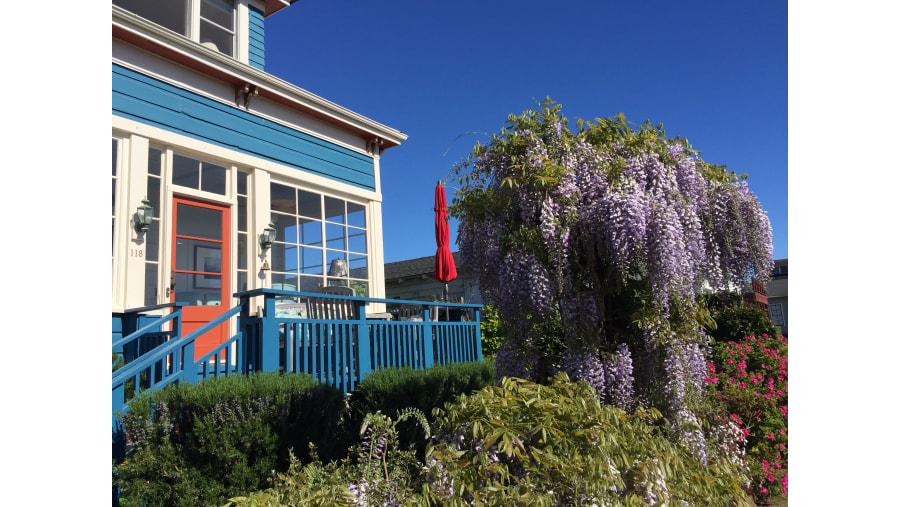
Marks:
<point>763,490</point>
<point>771,478</point>
<point>782,432</point>
<point>770,436</point>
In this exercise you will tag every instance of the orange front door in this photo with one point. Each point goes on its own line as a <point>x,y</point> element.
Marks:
<point>200,268</point>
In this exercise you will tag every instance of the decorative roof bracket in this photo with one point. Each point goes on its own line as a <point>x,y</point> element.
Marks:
<point>243,93</point>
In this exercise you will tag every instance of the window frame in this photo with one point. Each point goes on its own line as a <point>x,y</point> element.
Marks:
<point>323,222</point>
<point>194,21</point>
<point>772,307</point>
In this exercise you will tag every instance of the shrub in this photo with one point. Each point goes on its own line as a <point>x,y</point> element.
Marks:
<point>392,390</point>
<point>519,444</point>
<point>198,444</point>
<point>524,443</point>
<point>490,331</point>
<point>750,383</point>
<point>735,320</point>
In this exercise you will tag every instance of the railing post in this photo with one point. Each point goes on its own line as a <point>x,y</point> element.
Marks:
<point>243,327</point>
<point>268,331</point>
<point>364,354</point>
<point>428,337</point>
<point>478,335</point>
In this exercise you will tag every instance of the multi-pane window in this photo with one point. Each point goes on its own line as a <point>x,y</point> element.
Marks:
<point>777,314</point>
<point>320,240</point>
<point>152,238</point>
<point>199,175</point>
<point>205,21</point>
<point>115,178</point>
<point>242,178</point>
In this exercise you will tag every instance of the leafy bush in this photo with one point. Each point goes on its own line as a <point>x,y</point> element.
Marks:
<point>490,331</point>
<point>198,444</point>
<point>392,390</point>
<point>519,444</point>
<point>750,382</point>
<point>734,320</point>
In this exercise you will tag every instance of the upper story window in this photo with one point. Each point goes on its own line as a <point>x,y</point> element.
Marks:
<point>209,22</point>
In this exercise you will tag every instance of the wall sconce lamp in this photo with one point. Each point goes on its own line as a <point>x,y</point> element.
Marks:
<point>267,237</point>
<point>143,217</point>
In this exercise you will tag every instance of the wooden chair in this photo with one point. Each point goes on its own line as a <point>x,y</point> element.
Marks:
<point>333,309</point>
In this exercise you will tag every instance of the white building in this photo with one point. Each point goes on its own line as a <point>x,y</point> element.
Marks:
<point>219,149</point>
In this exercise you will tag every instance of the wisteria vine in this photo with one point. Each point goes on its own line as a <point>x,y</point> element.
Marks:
<point>614,229</point>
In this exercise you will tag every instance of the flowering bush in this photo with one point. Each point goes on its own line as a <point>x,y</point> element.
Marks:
<point>518,444</point>
<point>750,380</point>
<point>610,231</point>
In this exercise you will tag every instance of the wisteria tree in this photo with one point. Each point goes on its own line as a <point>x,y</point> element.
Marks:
<point>593,243</point>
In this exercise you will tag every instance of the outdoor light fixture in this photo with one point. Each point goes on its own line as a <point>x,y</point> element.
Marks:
<point>267,237</point>
<point>143,217</point>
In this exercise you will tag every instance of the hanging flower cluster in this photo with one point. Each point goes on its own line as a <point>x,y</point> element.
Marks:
<point>613,229</point>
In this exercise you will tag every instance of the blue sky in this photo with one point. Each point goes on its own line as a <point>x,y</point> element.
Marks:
<point>715,73</point>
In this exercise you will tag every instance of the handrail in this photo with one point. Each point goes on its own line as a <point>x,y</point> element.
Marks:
<point>144,329</point>
<point>280,292</point>
<point>141,363</point>
<point>153,307</point>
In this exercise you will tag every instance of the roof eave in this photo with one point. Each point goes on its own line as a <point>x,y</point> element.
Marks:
<point>155,39</point>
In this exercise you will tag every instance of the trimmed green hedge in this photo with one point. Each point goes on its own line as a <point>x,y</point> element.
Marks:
<point>201,444</point>
<point>391,390</point>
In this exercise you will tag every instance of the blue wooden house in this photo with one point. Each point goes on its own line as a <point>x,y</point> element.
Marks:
<point>246,212</point>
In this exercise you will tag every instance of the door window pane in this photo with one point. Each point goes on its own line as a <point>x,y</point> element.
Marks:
<point>199,222</point>
<point>196,255</point>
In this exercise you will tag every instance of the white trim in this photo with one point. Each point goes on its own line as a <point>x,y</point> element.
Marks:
<point>165,137</point>
<point>119,248</point>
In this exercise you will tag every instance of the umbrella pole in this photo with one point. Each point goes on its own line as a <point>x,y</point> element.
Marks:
<point>446,297</point>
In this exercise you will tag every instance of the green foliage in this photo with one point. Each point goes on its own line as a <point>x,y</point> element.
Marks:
<point>196,444</point>
<point>734,320</point>
<point>749,380</point>
<point>392,390</point>
<point>518,444</point>
<point>526,443</point>
<point>491,338</point>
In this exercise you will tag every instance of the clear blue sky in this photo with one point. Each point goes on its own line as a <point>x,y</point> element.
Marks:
<point>713,72</point>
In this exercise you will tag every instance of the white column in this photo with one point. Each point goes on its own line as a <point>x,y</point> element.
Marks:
<point>259,214</point>
<point>136,249</point>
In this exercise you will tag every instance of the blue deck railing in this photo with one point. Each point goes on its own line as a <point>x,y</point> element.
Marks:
<point>274,333</point>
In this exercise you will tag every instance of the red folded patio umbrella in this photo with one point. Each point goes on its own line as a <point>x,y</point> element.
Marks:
<point>444,267</point>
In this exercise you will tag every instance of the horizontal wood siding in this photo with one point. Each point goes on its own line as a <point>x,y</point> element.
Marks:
<point>147,100</point>
<point>117,328</point>
<point>257,38</point>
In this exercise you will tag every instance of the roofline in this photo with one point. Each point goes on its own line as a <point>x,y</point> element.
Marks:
<point>151,37</point>
<point>273,6</point>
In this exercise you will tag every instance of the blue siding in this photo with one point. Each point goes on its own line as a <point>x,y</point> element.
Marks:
<point>117,328</point>
<point>257,38</point>
<point>147,100</point>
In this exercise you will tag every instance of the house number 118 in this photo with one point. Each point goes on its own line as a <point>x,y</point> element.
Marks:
<point>137,252</point>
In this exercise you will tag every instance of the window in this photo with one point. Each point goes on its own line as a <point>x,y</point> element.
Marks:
<point>777,314</point>
<point>154,195</point>
<point>193,173</point>
<point>780,271</point>
<point>209,22</point>
<point>115,177</point>
<point>320,240</point>
<point>242,178</point>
